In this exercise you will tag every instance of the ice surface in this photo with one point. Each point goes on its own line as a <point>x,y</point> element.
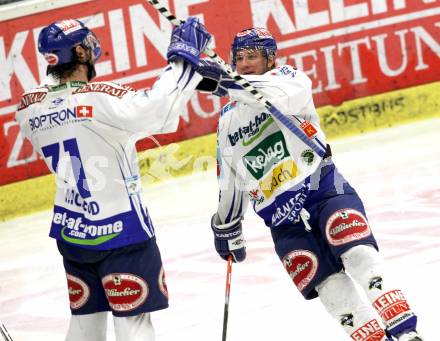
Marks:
<point>396,172</point>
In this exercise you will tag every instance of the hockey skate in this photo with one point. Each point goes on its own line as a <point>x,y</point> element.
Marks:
<point>409,336</point>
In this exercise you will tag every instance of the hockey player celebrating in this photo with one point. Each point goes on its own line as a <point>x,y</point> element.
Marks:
<point>86,132</point>
<point>317,220</point>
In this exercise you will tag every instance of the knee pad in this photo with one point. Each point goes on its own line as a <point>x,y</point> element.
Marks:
<point>365,265</point>
<point>89,327</point>
<point>133,328</point>
<point>341,299</point>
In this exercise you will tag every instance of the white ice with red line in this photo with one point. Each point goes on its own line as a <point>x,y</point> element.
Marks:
<point>397,173</point>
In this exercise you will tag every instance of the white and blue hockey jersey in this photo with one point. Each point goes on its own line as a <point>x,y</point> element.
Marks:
<point>86,133</point>
<point>262,160</point>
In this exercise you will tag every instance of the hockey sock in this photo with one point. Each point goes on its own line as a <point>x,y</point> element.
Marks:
<point>89,327</point>
<point>134,328</point>
<point>340,297</point>
<point>365,265</point>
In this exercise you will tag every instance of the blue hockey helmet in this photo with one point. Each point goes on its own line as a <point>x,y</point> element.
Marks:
<point>254,38</point>
<point>56,42</point>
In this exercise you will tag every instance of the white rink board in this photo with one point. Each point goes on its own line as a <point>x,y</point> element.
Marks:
<point>395,171</point>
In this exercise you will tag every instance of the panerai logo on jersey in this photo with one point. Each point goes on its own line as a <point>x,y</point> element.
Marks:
<point>249,130</point>
<point>61,117</point>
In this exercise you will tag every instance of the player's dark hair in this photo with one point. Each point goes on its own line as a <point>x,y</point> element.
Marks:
<point>63,71</point>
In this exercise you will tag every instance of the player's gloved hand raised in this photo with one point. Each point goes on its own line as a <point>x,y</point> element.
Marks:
<point>228,239</point>
<point>214,80</point>
<point>188,41</point>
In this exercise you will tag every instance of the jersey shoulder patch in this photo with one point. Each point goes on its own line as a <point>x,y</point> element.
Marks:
<point>112,89</point>
<point>228,107</point>
<point>32,96</point>
<point>283,70</point>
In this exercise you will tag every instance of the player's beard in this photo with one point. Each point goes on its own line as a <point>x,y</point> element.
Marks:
<point>91,71</point>
<point>90,63</point>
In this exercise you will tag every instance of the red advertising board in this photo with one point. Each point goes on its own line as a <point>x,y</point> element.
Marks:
<point>350,49</point>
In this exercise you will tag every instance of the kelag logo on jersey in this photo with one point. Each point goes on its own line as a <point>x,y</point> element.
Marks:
<point>266,154</point>
<point>259,123</point>
<point>272,151</point>
<point>61,117</point>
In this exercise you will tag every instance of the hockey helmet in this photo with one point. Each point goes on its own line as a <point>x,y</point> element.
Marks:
<point>254,38</point>
<point>56,42</point>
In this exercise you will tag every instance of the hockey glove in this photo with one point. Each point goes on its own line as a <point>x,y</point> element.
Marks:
<point>188,41</point>
<point>228,239</point>
<point>214,80</point>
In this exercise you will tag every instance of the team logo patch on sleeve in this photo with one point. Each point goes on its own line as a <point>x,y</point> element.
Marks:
<point>308,128</point>
<point>345,226</point>
<point>124,291</point>
<point>84,111</point>
<point>79,291</point>
<point>31,98</point>
<point>301,265</point>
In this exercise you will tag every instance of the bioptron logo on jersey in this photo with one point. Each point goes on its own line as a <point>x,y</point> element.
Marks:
<point>61,117</point>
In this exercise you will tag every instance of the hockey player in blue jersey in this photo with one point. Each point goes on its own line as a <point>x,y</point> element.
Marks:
<point>86,132</point>
<point>317,220</point>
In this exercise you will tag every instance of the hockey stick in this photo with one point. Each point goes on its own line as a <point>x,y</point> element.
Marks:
<point>315,144</point>
<point>227,292</point>
<point>4,332</point>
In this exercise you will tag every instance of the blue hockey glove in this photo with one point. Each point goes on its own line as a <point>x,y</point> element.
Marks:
<point>228,239</point>
<point>188,41</point>
<point>214,80</point>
